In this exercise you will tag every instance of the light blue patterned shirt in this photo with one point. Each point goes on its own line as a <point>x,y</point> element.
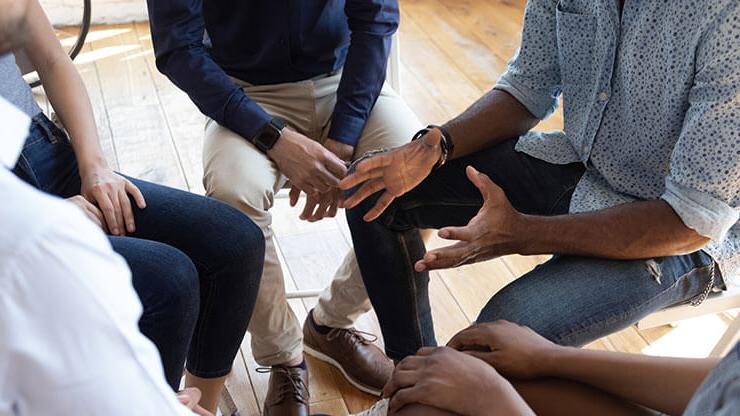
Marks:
<point>651,103</point>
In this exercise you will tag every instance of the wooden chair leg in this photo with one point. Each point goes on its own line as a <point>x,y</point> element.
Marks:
<point>728,340</point>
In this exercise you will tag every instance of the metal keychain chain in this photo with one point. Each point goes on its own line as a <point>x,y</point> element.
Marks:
<point>699,299</point>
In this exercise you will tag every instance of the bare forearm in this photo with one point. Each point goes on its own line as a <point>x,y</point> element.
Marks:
<point>635,230</point>
<point>64,88</point>
<point>660,383</point>
<point>494,117</point>
<point>69,98</point>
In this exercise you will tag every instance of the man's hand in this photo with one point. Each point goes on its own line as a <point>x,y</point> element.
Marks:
<point>514,350</point>
<point>342,150</point>
<point>491,233</point>
<point>397,171</point>
<point>320,206</point>
<point>109,191</point>
<point>452,381</point>
<point>308,165</point>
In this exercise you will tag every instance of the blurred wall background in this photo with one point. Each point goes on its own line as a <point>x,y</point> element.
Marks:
<point>69,12</point>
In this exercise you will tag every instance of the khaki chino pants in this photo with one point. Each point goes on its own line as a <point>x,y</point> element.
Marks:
<point>243,177</point>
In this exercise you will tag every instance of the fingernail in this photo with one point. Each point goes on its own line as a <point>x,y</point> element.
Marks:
<point>115,231</point>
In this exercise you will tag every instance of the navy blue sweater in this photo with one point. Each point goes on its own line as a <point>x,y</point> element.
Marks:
<point>270,42</point>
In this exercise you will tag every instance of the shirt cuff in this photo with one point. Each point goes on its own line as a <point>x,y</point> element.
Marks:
<point>246,118</point>
<point>700,211</point>
<point>540,106</point>
<point>346,129</point>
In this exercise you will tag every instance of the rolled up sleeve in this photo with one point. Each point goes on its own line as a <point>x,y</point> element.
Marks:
<point>700,211</point>
<point>703,185</point>
<point>533,74</point>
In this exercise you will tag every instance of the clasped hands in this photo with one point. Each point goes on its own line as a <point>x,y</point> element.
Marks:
<point>473,366</point>
<point>493,232</point>
<point>313,169</point>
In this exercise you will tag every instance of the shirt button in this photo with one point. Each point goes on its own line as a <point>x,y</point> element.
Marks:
<point>603,97</point>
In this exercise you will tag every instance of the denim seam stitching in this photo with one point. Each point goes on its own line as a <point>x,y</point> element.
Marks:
<point>621,316</point>
<point>30,170</point>
<point>407,257</point>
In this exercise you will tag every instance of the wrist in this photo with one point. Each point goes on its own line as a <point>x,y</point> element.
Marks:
<point>431,147</point>
<point>92,164</point>
<point>268,135</point>
<point>551,359</point>
<point>528,234</point>
<point>284,138</point>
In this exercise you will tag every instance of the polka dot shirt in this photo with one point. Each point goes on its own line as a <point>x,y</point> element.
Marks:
<point>651,100</point>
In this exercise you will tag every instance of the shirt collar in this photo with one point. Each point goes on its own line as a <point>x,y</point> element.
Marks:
<point>14,126</point>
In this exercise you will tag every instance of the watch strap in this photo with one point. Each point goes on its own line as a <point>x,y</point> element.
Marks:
<point>446,145</point>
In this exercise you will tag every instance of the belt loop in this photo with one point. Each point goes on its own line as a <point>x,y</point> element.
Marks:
<point>43,122</point>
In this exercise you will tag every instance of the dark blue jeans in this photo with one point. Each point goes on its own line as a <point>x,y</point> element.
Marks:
<point>570,300</point>
<point>195,262</point>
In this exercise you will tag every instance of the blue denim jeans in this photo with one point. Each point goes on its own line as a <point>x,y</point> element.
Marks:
<point>570,300</point>
<point>195,262</point>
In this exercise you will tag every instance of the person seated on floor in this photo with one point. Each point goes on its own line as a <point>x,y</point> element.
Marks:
<point>69,337</point>
<point>196,262</point>
<point>507,369</point>
<point>291,90</point>
<point>639,197</point>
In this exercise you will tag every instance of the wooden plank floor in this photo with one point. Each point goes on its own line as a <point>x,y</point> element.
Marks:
<point>452,52</point>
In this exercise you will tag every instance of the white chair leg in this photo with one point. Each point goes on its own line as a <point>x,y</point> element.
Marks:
<point>728,340</point>
<point>302,294</point>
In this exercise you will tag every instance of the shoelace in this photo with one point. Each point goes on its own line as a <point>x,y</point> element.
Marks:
<point>292,385</point>
<point>365,338</point>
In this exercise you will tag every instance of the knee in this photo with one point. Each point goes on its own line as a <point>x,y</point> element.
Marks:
<point>175,286</point>
<point>246,243</point>
<point>512,307</point>
<point>245,194</point>
<point>542,317</point>
<point>236,242</point>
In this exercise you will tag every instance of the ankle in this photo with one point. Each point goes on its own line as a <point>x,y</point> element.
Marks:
<point>320,328</point>
<point>298,361</point>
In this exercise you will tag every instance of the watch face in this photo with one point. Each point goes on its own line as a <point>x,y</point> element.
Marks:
<point>266,139</point>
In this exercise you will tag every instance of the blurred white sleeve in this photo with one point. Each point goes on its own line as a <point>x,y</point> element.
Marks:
<point>69,328</point>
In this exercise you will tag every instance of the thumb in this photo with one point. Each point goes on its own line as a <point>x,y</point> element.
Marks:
<point>481,181</point>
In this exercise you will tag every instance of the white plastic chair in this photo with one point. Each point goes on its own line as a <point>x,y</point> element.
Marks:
<point>716,303</point>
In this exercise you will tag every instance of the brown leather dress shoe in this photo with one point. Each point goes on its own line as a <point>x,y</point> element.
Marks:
<point>287,394</point>
<point>361,362</point>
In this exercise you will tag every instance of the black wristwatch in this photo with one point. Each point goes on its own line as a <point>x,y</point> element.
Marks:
<point>268,135</point>
<point>446,144</point>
